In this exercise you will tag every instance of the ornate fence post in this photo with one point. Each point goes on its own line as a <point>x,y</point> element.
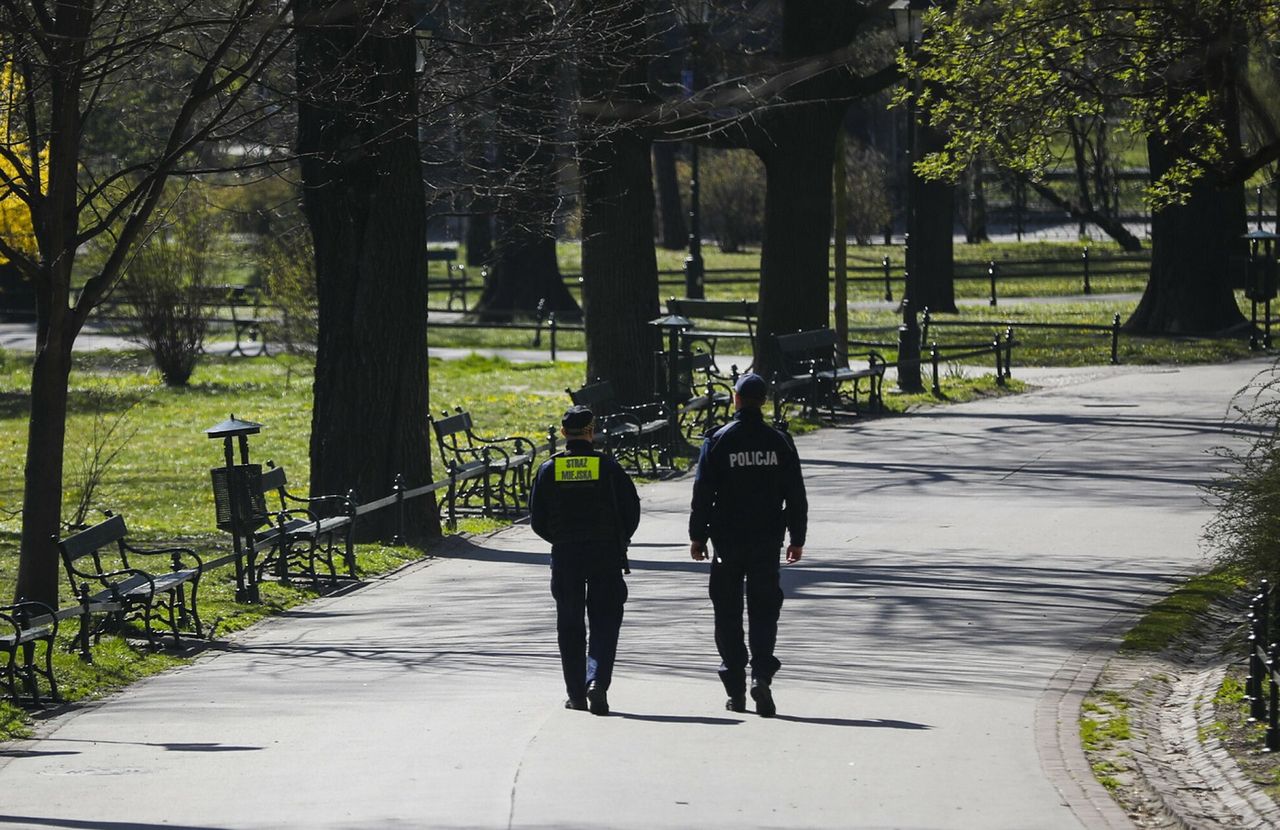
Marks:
<point>1257,666</point>
<point>933,358</point>
<point>1273,699</point>
<point>398,488</point>
<point>1008,352</point>
<point>1088,289</point>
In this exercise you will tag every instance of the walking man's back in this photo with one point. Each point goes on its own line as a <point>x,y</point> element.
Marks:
<point>748,494</point>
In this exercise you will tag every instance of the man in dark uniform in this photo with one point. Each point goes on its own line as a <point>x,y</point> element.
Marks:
<point>585,505</point>
<point>747,493</point>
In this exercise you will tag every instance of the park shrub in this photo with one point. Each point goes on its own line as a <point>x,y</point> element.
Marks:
<point>167,286</point>
<point>867,191</point>
<point>289,279</point>
<point>732,197</point>
<point>1245,530</point>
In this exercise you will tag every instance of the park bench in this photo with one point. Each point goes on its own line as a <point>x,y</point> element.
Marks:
<point>630,433</point>
<point>707,395</point>
<point>497,471</point>
<point>247,320</point>
<point>305,533</point>
<point>812,372</point>
<point>24,626</point>
<point>455,276</point>
<point>706,314</point>
<point>98,566</point>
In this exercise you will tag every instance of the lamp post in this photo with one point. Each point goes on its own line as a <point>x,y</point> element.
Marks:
<point>233,487</point>
<point>699,17</point>
<point>1261,285</point>
<point>908,25</point>
<point>674,395</point>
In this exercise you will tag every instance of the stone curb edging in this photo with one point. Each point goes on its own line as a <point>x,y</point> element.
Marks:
<point>1184,764</point>
<point>1057,736</point>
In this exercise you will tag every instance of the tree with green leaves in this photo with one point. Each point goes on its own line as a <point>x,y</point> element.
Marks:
<point>75,62</point>
<point>1009,79</point>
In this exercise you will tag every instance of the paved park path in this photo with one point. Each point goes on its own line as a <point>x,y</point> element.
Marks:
<point>966,571</point>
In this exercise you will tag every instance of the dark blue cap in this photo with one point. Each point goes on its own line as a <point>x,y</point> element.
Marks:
<point>752,387</point>
<point>577,418</point>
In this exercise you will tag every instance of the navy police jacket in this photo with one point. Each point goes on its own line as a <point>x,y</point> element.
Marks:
<point>748,486</point>
<point>582,496</point>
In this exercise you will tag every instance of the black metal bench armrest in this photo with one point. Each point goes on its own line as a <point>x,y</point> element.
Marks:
<point>114,588</point>
<point>610,423</point>
<point>343,501</point>
<point>519,442</point>
<point>175,552</point>
<point>29,615</point>
<point>651,411</point>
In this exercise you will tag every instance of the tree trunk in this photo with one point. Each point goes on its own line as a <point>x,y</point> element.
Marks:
<point>1189,290</point>
<point>479,236</point>
<point>932,243</point>
<point>364,200</point>
<point>528,126</point>
<point>674,234</point>
<point>975,229</point>
<point>796,142</point>
<point>523,274</point>
<point>794,278</point>
<point>1110,224</point>
<point>42,494</point>
<point>619,265</point>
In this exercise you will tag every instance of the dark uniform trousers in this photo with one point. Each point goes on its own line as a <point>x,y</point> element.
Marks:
<point>586,580</point>
<point>757,565</point>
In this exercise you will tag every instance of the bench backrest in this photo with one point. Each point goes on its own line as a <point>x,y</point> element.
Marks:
<point>90,542</point>
<point>92,539</point>
<point>803,350</point>
<point>742,311</point>
<point>272,480</point>
<point>453,433</point>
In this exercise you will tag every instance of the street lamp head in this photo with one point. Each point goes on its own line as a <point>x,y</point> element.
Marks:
<point>908,20</point>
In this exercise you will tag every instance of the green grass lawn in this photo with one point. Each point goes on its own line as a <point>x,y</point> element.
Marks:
<point>866,282</point>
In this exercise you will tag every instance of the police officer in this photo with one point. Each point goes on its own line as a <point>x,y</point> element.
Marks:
<point>747,492</point>
<point>585,505</point>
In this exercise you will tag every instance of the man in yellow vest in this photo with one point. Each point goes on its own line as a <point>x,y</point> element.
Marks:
<point>586,506</point>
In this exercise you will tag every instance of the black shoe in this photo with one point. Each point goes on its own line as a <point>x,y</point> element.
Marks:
<point>576,703</point>
<point>736,703</point>
<point>597,700</point>
<point>763,697</point>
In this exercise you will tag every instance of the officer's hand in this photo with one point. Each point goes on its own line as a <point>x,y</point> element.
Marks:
<point>794,552</point>
<point>698,550</point>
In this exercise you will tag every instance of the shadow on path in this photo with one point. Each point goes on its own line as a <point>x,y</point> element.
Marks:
<point>97,824</point>
<point>681,719</point>
<point>860,723</point>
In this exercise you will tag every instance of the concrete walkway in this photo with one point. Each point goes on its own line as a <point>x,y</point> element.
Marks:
<point>966,568</point>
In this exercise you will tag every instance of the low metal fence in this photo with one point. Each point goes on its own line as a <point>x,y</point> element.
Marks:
<point>1262,687</point>
<point>1112,331</point>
